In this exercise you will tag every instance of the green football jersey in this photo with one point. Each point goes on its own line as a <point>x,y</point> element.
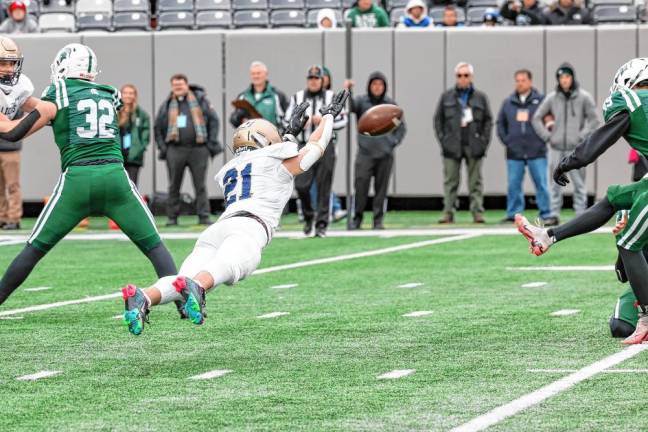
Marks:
<point>636,104</point>
<point>86,123</point>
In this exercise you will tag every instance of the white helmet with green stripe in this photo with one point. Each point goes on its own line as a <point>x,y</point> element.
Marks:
<point>630,74</point>
<point>74,61</point>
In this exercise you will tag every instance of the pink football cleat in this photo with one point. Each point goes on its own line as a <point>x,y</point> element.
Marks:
<point>539,240</point>
<point>640,334</point>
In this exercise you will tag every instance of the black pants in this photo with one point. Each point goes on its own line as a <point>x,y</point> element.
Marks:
<point>133,172</point>
<point>366,168</point>
<point>197,159</point>
<point>322,174</point>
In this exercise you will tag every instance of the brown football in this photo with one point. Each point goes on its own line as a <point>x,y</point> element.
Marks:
<point>380,119</point>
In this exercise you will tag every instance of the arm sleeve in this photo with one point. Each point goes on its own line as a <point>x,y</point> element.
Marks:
<point>21,129</point>
<point>439,119</point>
<point>488,122</point>
<point>502,125</point>
<point>160,127</point>
<point>538,120</point>
<point>213,125</point>
<point>146,131</point>
<point>598,142</point>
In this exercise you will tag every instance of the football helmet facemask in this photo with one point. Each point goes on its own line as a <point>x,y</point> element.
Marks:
<point>10,53</point>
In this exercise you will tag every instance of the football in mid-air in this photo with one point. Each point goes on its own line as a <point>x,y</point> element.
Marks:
<point>380,119</point>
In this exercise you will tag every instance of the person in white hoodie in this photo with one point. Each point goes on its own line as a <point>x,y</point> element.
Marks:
<point>326,19</point>
<point>415,15</point>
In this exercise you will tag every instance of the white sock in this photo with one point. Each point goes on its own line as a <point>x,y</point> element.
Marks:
<point>167,290</point>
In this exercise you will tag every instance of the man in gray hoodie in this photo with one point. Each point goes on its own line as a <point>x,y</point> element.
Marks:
<point>564,119</point>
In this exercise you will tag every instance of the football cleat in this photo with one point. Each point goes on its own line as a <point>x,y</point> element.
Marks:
<point>136,309</point>
<point>640,334</point>
<point>539,240</point>
<point>194,297</point>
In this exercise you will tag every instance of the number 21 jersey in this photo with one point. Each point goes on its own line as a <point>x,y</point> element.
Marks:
<point>257,182</point>
<point>86,123</point>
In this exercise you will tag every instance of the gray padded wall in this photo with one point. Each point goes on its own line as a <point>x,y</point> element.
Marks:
<point>135,66</point>
<point>199,55</point>
<point>615,45</point>
<point>418,159</point>
<point>41,165</point>
<point>494,68</point>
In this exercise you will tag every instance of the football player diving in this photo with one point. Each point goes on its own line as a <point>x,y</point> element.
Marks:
<point>626,116</point>
<point>93,180</point>
<point>256,186</point>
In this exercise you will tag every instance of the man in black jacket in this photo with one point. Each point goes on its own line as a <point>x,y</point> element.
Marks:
<point>463,124</point>
<point>523,13</point>
<point>375,156</point>
<point>567,13</point>
<point>186,133</point>
<point>524,148</point>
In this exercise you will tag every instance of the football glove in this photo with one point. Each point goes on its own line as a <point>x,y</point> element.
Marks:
<point>297,120</point>
<point>337,104</point>
<point>559,175</point>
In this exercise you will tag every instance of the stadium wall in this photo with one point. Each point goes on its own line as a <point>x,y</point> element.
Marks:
<point>418,64</point>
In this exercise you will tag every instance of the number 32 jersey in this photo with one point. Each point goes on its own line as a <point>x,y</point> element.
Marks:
<point>86,123</point>
<point>257,182</point>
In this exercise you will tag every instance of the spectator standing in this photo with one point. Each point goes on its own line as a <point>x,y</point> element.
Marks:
<point>415,15</point>
<point>463,124</point>
<point>523,146</point>
<point>366,14</point>
<point>269,101</point>
<point>574,116</point>
<point>375,157</point>
<point>19,21</point>
<point>135,130</point>
<point>186,133</point>
<point>450,18</point>
<point>322,172</point>
<point>524,12</point>
<point>566,12</point>
<point>326,19</point>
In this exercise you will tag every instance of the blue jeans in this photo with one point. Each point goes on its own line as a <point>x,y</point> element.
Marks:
<point>515,196</point>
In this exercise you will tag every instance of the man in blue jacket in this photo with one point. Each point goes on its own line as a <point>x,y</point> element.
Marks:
<point>523,146</point>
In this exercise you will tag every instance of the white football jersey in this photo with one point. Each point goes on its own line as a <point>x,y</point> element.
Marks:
<point>13,97</point>
<point>257,182</point>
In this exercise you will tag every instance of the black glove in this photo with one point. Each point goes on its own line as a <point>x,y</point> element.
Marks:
<point>162,154</point>
<point>297,120</point>
<point>559,175</point>
<point>337,104</point>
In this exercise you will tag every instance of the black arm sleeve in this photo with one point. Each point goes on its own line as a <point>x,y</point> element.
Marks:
<point>597,143</point>
<point>24,126</point>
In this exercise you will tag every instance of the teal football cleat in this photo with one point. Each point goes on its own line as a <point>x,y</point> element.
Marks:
<point>194,297</point>
<point>136,309</point>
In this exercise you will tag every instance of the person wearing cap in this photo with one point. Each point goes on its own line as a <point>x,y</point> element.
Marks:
<point>574,113</point>
<point>415,15</point>
<point>19,21</point>
<point>322,172</point>
<point>367,14</point>
<point>491,18</point>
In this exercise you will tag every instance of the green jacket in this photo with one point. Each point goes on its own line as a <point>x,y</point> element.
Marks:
<point>271,104</point>
<point>372,18</point>
<point>140,130</point>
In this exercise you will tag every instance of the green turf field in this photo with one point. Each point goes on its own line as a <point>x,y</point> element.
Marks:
<point>317,367</point>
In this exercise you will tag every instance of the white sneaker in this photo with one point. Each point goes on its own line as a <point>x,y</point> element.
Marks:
<point>539,240</point>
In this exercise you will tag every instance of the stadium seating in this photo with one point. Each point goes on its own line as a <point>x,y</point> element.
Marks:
<point>57,22</point>
<point>131,6</point>
<point>323,4</point>
<point>175,5</point>
<point>288,18</point>
<point>57,6</point>
<point>346,4</point>
<point>86,7</point>
<point>311,17</point>
<point>615,13</point>
<point>286,4</point>
<point>94,21</point>
<point>483,3</point>
<point>475,15</point>
<point>251,19</point>
<point>175,20</point>
<point>394,4</point>
<point>594,3</point>
<point>213,19</point>
<point>128,21</point>
<point>249,5</point>
<point>208,5</point>
<point>395,15</point>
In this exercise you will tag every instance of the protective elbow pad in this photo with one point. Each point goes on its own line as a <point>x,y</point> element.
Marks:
<point>312,154</point>
<point>24,126</point>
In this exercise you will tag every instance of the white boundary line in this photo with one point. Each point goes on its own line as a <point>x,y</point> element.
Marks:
<point>395,374</point>
<point>38,375</point>
<point>211,374</point>
<point>587,268</point>
<point>510,409</point>
<point>553,371</point>
<point>370,253</point>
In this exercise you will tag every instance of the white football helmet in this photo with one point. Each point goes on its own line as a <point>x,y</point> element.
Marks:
<point>74,61</point>
<point>630,74</point>
<point>255,134</point>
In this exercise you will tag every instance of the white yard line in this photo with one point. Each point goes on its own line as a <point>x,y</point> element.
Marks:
<point>211,374</point>
<point>534,398</point>
<point>38,375</point>
<point>395,374</point>
<point>35,289</point>
<point>301,264</point>
<point>418,314</point>
<point>12,318</point>
<point>273,315</point>
<point>284,286</point>
<point>587,268</point>
<point>534,284</point>
<point>410,285</point>
<point>565,312</point>
<point>612,371</point>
